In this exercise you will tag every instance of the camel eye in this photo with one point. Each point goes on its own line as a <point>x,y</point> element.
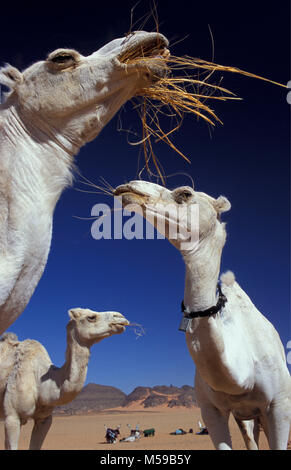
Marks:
<point>62,59</point>
<point>186,194</point>
<point>92,318</point>
<point>183,196</point>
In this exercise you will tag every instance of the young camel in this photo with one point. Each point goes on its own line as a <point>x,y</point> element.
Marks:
<point>31,386</point>
<point>240,361</point>
<point>55,107</point>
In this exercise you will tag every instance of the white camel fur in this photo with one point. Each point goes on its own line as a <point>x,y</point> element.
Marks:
<point>53,108</point>
<point>31,386</point>
<point>240,361</point>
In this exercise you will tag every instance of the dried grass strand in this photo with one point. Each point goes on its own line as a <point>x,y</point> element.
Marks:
<point>179,95</point>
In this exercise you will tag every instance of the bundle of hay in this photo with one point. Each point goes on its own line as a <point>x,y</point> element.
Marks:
<point>174,95</point>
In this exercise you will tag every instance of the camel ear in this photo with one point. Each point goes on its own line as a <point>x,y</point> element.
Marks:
<point>10,76</point>
<point>221,204</point>
<point>75,313</point>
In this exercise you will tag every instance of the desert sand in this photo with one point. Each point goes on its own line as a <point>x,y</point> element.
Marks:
<point>87,432</point>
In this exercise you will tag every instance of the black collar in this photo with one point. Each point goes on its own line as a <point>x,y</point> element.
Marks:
<point>210,311</point>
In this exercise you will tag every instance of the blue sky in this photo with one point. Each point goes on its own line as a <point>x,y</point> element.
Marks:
<point>247,160</point>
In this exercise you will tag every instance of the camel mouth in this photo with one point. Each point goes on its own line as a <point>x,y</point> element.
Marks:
<point>122,323</point>
<point>119,327</point>
<point>125,189</point>
<point>145,50</point>
<point>130,196</point>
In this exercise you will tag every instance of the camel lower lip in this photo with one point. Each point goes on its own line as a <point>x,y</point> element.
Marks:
<point>161,54</point>
<point>156,54</point>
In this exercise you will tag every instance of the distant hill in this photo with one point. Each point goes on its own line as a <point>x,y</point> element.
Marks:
<point>161,395</point>
<point>94,398</point>
<point>139,393</point>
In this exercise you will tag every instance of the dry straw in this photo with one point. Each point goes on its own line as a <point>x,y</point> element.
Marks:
<point>174,96</point>
<point>137,329</point>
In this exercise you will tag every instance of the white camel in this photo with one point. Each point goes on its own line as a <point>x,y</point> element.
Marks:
<point>240,361</point>
<point>54,107</point>
<point>31,386</point>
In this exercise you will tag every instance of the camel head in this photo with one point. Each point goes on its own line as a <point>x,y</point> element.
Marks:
<point>77,95</point>
<point>186,217</point>
<point>91,327</point>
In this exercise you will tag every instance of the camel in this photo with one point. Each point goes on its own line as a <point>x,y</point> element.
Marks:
<point>31,386</point>
<point>53,108</point>
<point>240,361</point>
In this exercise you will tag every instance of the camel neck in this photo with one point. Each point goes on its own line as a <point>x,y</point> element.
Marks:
<point>33,173</point>
<point>206,336</point>
<point>33,163</point>
<point>74,371</point>
<point>202,270</point>
<point>39,131</point>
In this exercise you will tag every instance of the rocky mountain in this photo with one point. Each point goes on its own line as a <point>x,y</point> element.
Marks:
<point>139,393</point>
<point>94,398</point>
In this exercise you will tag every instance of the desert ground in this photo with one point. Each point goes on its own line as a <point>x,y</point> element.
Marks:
<point>87,432</point>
